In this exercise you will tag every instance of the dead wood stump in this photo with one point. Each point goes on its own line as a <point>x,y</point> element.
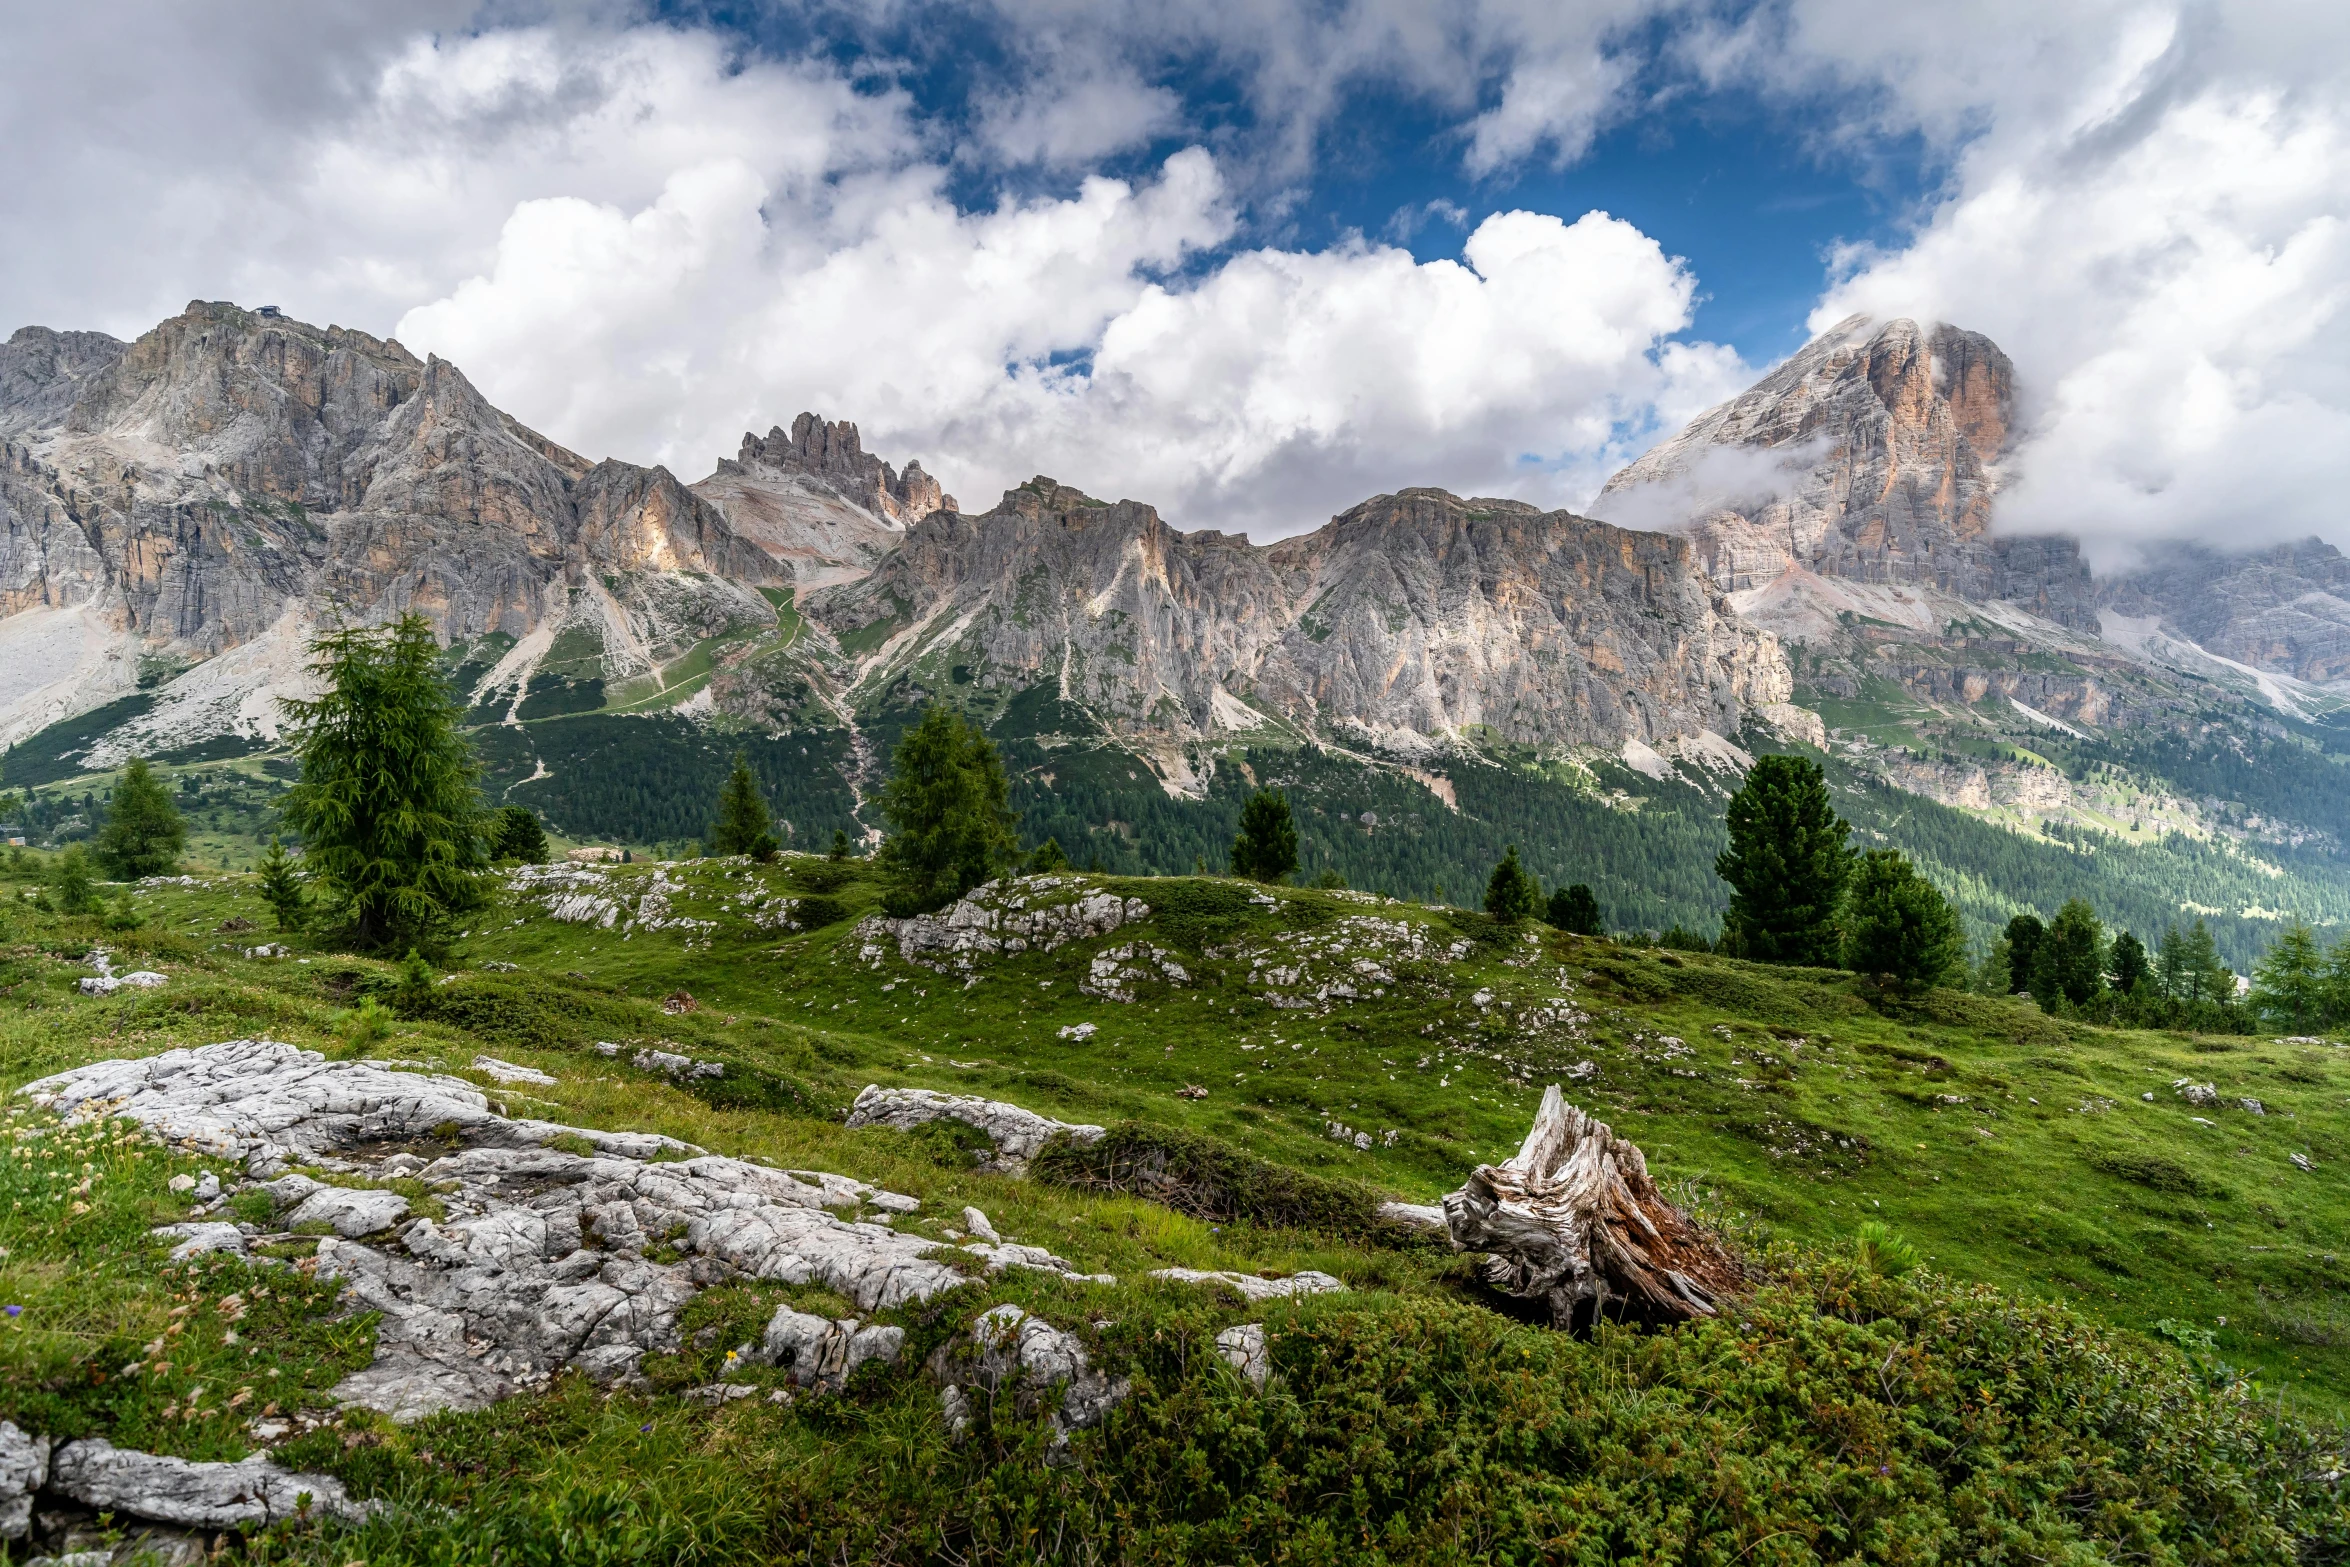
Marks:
<point>1573,1220</point>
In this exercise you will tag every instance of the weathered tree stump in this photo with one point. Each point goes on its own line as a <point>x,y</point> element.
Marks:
<point>1573,1220</point>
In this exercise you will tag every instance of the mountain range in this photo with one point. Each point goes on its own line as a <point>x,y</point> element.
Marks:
<point>1814,563</point>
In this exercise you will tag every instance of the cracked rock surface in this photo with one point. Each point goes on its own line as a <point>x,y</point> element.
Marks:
<point>547,1259</point>
<point>24,1469</point>
<point>1307,1282</point>
<point>1016,1133</point>
<point>1009,1353</point>
<point>248,1493</point>
<point>823,1353</point>
<point>1015,914</point>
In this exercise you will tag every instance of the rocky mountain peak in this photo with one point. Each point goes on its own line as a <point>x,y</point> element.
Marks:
<point>1872,454</point>
<point>832,451</point>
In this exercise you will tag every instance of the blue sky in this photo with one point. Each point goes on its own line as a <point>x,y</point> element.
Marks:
<point>1249,260</point>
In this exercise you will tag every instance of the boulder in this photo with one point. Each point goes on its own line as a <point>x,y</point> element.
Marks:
<point>246,1494</point>
<point>1305,1282</point>
<point>1016,1134</point>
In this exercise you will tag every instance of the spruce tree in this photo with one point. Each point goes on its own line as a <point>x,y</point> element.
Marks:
<point>2130,967</point>
<point>1511,894</point>
<point>2023,951</point>
<point>1576,910</point>
<point>840,846</point>
<point>1047,856</point>
<point>519,836</point>
<point>744,825</point>
<point>1787,864</point>
<point>2289,982</point>
<point>282,890</point>
<point>2070,962</point>
<point>1899,931</point>
<point>948,804</point>
<point>143,835</point>
<point>391,821</point>
<point>1266,847</point>
<point>2207,978</point>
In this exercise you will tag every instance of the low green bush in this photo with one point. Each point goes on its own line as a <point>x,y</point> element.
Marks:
<point>1197,1175</point>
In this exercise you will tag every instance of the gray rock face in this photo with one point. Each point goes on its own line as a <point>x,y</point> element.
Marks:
<point>817,501</point>
<point>24,1469</point>
<point>1016,1134</point>
<point>1010,915</point>
<point>1411,617</point>
<point>1244,1349</point>
<point>1304,1282</point>
<point>822,1353</point>
<point>547,1259</point>
<point>1871,454</point>
<point>1010,1354</point>
<point>2285,609</point>
<point>247,1494</point>
<point>218,484</point>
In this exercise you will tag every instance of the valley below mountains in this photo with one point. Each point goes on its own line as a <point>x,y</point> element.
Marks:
<point>1814,564</point>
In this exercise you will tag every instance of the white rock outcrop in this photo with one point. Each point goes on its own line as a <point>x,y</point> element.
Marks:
<point>1244,1349</point>
<point>1306,1282</point>
<point>246,1494</point>
<point>1022,914</point>
<point>822,1352</point>
<point>1010,1353</point>
<point>1016,1134</point>
<point>546,1259</point>
<point>24,1469</point>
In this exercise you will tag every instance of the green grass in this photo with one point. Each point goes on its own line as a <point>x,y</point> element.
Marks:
<point>2059,1214</point>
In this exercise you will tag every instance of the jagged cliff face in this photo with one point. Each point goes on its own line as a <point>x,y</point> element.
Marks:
<point>1411,618</point>
<point>234,479</point>
<point>1872,455</point>
<point>817,502</point>
<point>2285,609</point>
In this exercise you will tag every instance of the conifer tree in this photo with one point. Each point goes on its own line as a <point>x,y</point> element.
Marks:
<point>2289,982</point>
<point>840,845</point>
<point>2023,951</point>
<point>75,892</point>
<point>2170,964</point>
<point>1266,847</point>
<point>2070,962</point>
<point>2130,967</point>
<point>2207,978</point>
<point>1047,856</point>
<point>1899,931</point>
<point>744,825</point>
<point>1575,909</point>
<point>391,821</point>
<point>2337,991</point>
<point>1511,894</point>
<point>519,836</point>
<point>1787,864</point>
<point>948,804</point>
<point>282,890</point>
<point>143,835</point>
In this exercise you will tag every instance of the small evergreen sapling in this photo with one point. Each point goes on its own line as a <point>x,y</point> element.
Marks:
<point>1511,895</point>
<point>1047,856</point>
<point>76,892</point>
<point>144,834</point>
<point>839,851</point>
<point>282,889</point>
<point>744,825</point>
<point>1575,910</point>
<point>1266,847</point>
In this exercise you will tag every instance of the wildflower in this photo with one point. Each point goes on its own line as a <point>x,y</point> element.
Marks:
<point>14,1311</point>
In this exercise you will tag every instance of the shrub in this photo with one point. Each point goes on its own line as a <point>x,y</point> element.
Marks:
<point>1197,1175</point>
<point>143,834</point>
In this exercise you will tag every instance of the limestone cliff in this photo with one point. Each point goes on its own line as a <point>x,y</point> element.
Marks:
<point>817,501</point>
<point>1411,618</point>
<point>233,477</point>
<point>1873,454</point>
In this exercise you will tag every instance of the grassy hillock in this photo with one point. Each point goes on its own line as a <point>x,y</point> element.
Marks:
<point>2128,1339</point>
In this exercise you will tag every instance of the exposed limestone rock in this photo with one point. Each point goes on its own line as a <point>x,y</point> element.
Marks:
<point>1245,1351</point>
<point>1016,1134</point>
<point>1871,454</point>
<point>823,1354</point>
<point>247,1494</point>
<point>2285,609</point>
<point>24,1469</point>
<point>1009,1353</point>
<point>1411,618</point>
<point>197,1240</point>
<point>1304,1282</point>
<point>1014,914</point>
<point>547,1259</point>
<point>816,501</point>
<point>1573,1220</point>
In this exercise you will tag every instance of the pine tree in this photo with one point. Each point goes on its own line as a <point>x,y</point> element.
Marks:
<point>1787,863</point>
<point>840,846</point>
<point>518,835</point>
<point>1511,894</point>
<point>143,835</point>
<point>1899,931</point>
<point>391,822</point>
<point>2289,983</point>
<point>948,805</point>
<point>2130,968</point>
<point>2070,962</point>
<point>2208,979</point>
<point>1576,910</point>
<point>1046,857</point>
<point>1266,847</point>
<point>282,890</point>
<point>2023,951</point>
<point>744,824</point>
